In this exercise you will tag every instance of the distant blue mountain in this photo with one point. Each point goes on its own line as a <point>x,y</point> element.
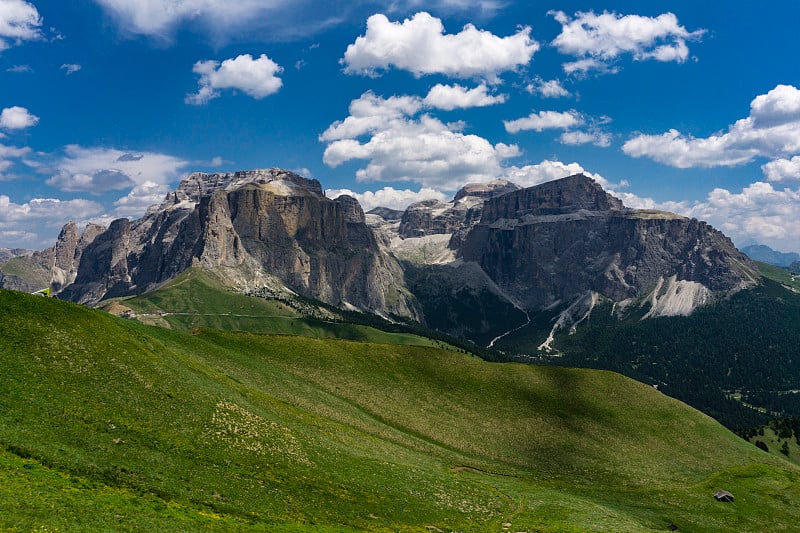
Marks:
<point>765,254</point>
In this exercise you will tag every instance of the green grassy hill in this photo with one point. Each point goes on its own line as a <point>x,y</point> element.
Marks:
<point>196,298</point>
<point>108,424</point>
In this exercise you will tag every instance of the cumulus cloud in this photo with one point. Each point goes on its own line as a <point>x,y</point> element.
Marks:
<point>370,113</point>
<point>20,69</point>
<point>547,89</point>
<point>17,118</point>
<point>140,198</point>
<point>390,197</point>
<point>400,147</point>
<point>449,97</point>
<point>99,170</point>
<point>19,21</point>
<point>421,46</point>
<point>772,130</point>
<point>782,169</point>
<point>597,40</point>
<point>424,151</point>
<point>255,77</point>
<point>548,170</point>
<point>545,120</point>
<point>70,68</point>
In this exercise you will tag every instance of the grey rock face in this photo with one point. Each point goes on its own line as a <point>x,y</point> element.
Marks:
<point>387,213</point>
<point>554,241</point>
<point>55,267</point>
<point>507,249</point>
<point>431,217</point>
<point>260,223</point>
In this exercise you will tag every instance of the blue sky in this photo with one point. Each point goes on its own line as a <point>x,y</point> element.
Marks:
<point>692,107</point>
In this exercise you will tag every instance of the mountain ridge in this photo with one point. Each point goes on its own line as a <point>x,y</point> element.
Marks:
<point>528,248</point>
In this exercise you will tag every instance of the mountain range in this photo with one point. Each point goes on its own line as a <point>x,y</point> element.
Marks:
<point>765,254</point>
<point>528,249</point>
<point>515,269</point>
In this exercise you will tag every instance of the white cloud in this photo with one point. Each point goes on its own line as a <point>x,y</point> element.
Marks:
<point>255,77</point>
<point>370,113</point>
<point>399,147</point>
<point>160,18</point>
<point>779,106</point>
<point>582,66</point>
<point>12,152</point>
<point>19,21</point>
<point>547,89</point>
<point>99,170</point>
<point>598,40</point>
<point>140,198</point>
<point>221,21</point>
<point>70,68</point>
<point>772,130</point>
<point>424,151</point>
<point>36,223</point>
<point>548,170</point>
<point>7,156</point>
<point>390,197</point>
<point>45,208</point>
<point>545,120</point>
<point>595,137</point>
<point>782,169</point>
<point>449,97</point>
<point>420,46</point>
<point>17,118</point>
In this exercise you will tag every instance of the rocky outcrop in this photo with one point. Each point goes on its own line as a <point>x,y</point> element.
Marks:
<point>261,225</point>
<point>386,213</point>
<point>56,266</point>
<point>554,242</point>
<point>432,217</point>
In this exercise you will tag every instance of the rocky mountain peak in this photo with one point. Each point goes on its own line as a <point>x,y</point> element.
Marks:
<point>198,185</point>
<point>486,190</point>
<point>567,195</point>
<point>351,208</point>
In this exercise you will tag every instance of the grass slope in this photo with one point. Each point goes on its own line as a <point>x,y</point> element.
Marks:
<point>781,275</point>
<point>197,299</point>
<point>110,424</point>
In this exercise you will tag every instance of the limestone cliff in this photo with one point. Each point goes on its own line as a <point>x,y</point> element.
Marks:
<point>55,267</point>
<point>258,225</point>
<point>556,241</point>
